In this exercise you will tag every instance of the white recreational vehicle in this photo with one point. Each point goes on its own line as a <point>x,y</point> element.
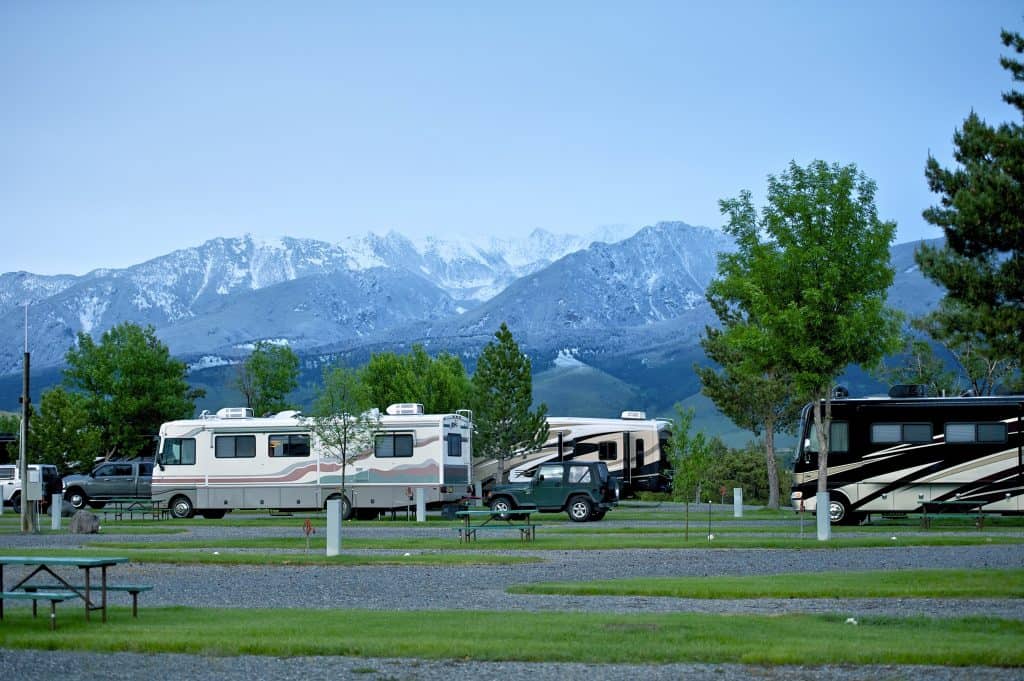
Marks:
<point>232,460</point>
<point>633,446</point>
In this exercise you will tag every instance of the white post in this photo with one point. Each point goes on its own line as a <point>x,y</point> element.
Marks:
<point>479,491</point>
<point>821,512</point>
<point>737,502</point>
<point>56,503</point>
<point>421,505</point>
<point>333,527</point>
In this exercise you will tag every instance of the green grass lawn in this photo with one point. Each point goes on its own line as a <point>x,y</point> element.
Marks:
<point>530,636</point>
<point>871,584</point>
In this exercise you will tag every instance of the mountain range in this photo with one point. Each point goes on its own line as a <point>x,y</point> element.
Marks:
<point>611,322</point>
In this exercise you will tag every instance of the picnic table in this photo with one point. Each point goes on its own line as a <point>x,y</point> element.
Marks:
<point>488,519</point>
<point>157,510</point>
<point>956,506</point>
<point>58,589</point>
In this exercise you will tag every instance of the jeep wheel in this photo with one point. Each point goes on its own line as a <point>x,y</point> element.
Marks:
<point>502,505</point>
<point>580,509</point>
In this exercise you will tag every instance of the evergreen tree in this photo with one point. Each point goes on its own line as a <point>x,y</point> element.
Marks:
<point>810,275</point>
<point>267,376</point>
<point>131,385</point>
<point>502,396</point>
<point>981,211</point>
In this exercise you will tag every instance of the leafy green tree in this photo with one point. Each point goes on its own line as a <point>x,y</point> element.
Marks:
<point>750,389</point>
<point>440,384</point>
<point>63,433</point>
<point>502,396</point>
<point>919,366</point>
<point>814,269</point>
<point>267,376</point>
<point>10,424</point>
<point>690,454</point>
<point>130,384</point>
<point>981,211</point>
<point>344,428</point>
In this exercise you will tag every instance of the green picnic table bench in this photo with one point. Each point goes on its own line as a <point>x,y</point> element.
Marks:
<point>497,520</point>
<point>955,506</point>
<point>156,510</point>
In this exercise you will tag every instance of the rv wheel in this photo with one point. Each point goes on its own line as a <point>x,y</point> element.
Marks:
<point>181,507</point>
<point>346,505</point>
<point>839,511</point>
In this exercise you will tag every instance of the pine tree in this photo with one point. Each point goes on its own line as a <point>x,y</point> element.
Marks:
<point>503,393</point>
<point>981,212</point>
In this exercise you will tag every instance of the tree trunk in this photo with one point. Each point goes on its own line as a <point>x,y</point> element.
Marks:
<point>823,424</point>
<point>773,469</point>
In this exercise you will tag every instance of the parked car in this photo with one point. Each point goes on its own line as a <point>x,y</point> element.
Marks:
<point>131,479</point>
<point>584,490</point>
<point>10,483</point>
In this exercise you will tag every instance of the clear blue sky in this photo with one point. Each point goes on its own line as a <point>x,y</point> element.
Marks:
<point>129,129</point>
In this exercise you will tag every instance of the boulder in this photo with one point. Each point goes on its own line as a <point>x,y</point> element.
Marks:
<point>84,522</point>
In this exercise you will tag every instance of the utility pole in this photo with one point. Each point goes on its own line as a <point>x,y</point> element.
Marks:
<point>28,519</point>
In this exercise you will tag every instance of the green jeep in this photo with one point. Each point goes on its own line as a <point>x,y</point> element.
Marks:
<point>584,490</point>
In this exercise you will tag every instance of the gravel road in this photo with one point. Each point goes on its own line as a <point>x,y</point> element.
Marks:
<point>474,587</point>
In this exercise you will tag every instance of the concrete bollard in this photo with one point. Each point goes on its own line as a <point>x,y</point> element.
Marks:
<point>421,505</point>
<point>737,502</point>
<point>333,527</point>
<point>56,506</point>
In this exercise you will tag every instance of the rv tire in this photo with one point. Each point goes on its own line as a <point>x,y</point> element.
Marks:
<point>839,511</point>
<point>346,505</point>
<point>181,507</point>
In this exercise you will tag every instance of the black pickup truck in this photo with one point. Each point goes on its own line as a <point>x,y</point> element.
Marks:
<point>131,479</point>
<point>584,490</point>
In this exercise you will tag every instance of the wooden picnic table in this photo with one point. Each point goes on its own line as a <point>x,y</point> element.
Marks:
<point>63,589</point>
<point>506,520</point>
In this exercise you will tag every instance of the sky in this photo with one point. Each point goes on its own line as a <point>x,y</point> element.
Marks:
<point>131,129</point>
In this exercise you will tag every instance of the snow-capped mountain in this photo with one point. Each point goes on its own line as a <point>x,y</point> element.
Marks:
<point>222,293</point>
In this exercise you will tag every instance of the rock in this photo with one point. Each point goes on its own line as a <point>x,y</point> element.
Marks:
<point>84,522</point>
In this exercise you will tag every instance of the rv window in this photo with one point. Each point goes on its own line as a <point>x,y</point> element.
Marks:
<point>975,432</point>
<point>454,444</point>
<point>839,442</point>
<point>392,446</point>
<point>288,445</point>
<point>234,446</point>
<point>607,451</point>
<point>900,432</point>
<point>178,452</point>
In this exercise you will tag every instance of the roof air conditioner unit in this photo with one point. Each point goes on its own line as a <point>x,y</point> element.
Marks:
<point>405,408</point>
<point>634,415</point>
<point>234,413</point>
